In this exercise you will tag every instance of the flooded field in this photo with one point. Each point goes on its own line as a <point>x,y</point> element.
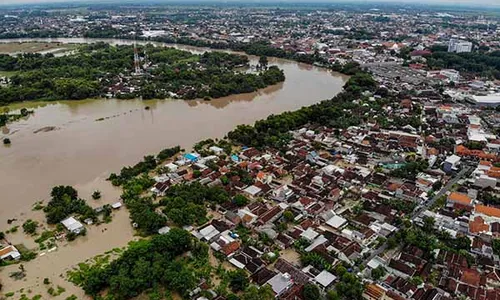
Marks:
<point>34,47</point>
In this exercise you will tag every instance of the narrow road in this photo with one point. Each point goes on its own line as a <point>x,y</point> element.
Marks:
<point>418,212</point>
<point>442,192</point>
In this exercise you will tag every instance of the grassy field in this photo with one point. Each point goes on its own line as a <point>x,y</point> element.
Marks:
<point>8,48</point>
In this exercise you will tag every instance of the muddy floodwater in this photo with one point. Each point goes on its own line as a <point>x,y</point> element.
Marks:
<point>65,143</point>
<point>80,143</point>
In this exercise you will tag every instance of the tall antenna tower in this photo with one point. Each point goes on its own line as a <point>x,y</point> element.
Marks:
<point>137,61</point>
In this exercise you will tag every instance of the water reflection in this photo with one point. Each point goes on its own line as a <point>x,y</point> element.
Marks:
<point>97,137</point>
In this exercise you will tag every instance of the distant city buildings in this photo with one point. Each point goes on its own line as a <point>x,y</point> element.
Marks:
<point>458,46</point>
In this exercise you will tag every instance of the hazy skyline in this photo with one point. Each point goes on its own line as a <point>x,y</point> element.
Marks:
<point>495,3</point>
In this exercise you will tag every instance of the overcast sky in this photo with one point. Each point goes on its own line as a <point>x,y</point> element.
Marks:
<point>495,3</point>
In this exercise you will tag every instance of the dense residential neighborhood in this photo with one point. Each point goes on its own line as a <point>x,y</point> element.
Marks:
<point>388,190</point>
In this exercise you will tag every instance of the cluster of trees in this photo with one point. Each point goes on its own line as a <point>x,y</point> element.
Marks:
<point>429,239</point>
<point>77,76</point>
<point>257,48</point>
<point>310,291</point>
<point>64,202</point>
<point>238,280</point>
<point>184,204</point>
<point>411,169</point>
<point>30,226</point>
<point>146,264</point>
<point>223,59</point>
<point>210,75</point>
<point>103,32</point>
<point>205,83</point>
<point>480,63</point>
<point>489,198</point>
<point>472,145</point>
<point>127,173</point>
<point>349,286</point>
<point>89,72</point>
<point>147,164</point>
<point>378,272</point>
<point>401,205</point>
<point>255,293</point>
<point>315,260</point>
<point>273,131</point>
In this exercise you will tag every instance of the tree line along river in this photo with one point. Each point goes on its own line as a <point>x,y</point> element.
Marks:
<point>80,142</point>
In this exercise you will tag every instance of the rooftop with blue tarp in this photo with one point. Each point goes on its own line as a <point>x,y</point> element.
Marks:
<point>192,156</point>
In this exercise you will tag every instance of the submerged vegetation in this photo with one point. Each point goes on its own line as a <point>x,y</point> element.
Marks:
<point>64,203</point>
<point>146,264</point>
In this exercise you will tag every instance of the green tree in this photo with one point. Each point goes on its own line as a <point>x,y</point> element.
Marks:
<point>332,295</point>
<point>392,243</point>
<point>240,200</point>
<point>288,215</point>
<point>30,226</point>
<point>428,224</point>
<point>263,61</point>
<point>238,280</point>
<point>255,293</point>
<point>311,292</point>
<point>196,173</point>
<point>96,195</point>
<point>495,243</point>
<point>378,272</point>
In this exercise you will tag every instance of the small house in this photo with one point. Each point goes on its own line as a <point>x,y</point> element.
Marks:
<point>9,253</point>
<point>73,225</point>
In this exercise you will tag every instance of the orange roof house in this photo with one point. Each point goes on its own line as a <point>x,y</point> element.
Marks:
<point>485,163</point>
<point>459,198</point>
<point>488,211</point>
<point>461,150</point>
<point>493,173</point>
<point>478,225</point>
<point>471,277</point>
<point>373,292</point>
<point>432,151</point>
<point>229,248</point>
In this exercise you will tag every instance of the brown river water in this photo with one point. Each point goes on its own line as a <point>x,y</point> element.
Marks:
<point>80,149</point>
<point>64,143</point>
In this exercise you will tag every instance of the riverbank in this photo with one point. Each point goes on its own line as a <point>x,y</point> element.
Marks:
<point>82,152</point>
<point>254,49</point>
<point>87,149</point>
<point>104,70</point>
<point>34,47</point>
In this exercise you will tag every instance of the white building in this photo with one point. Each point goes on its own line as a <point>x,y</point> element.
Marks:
<point>458,46</point>
<point>451,163</point>
<point>280,283</point>
<point>452,75</point>
<point>282,193</point>
<point>325,279</point>
<point>9,253</point>
<point>489,100</point>
<point>73,225</point>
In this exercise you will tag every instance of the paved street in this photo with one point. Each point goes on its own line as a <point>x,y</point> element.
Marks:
<point>426,206</point>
